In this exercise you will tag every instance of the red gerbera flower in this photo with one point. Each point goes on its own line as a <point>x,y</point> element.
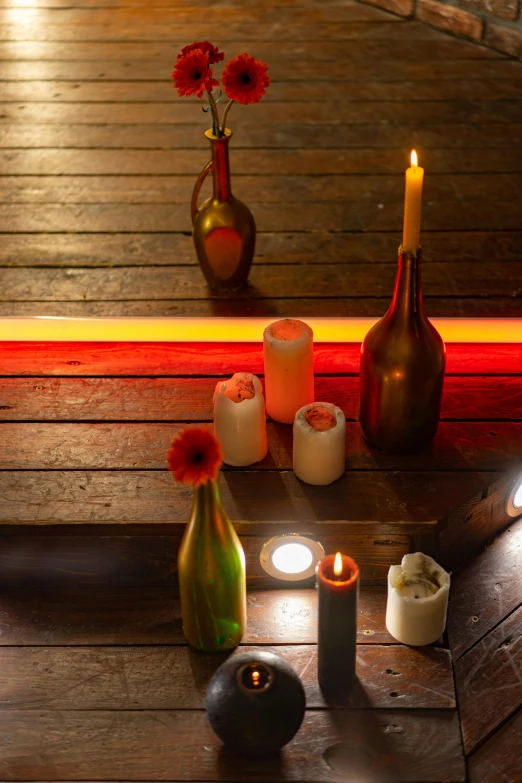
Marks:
<point>192,74</point>
<point>214,55</point>
<point>195,457</point>
<point>245,79</point>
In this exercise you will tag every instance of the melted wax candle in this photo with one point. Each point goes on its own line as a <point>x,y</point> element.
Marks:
<point>289,368</point>
<point>240,420</point>
<point>418,592</point>
<point>319,443</point>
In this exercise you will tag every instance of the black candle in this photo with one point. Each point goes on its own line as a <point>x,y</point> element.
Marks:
<point>338,588</point>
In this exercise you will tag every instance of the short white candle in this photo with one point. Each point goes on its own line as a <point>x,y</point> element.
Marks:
<point>240,419</point>
<point>289,368</point>
<point>418,592</point>
<point>319,443</point>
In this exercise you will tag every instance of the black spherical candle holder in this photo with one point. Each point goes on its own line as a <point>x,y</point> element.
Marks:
<point>255,703</point>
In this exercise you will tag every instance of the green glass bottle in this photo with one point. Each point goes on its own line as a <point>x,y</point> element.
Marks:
<point>211,570</point>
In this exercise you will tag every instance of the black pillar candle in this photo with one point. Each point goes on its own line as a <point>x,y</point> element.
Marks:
<point>338,588</point>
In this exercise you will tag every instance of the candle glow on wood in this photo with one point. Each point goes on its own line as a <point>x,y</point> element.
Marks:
<point>412,205</point>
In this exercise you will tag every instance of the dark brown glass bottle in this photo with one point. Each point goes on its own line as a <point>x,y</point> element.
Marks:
<point>403,360</point>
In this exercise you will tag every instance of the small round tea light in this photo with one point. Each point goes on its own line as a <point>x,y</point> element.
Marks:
<point>240,419</point>
<point>289,368</point>
<point>418,591</point>
<point>319,443</point>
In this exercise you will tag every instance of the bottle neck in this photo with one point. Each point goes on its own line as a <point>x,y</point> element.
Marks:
<point>207,509</point>
<point>407,296</point>
<point>220,168</point>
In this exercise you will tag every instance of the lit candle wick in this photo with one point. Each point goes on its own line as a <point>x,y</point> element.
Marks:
<point>338,564</point>
<point>413,158</point>
<point>255,678</point>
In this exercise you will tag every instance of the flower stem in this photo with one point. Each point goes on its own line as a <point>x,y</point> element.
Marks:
<point>225,114</point>
<point>215,115</point>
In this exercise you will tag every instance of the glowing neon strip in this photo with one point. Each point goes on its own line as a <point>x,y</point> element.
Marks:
<point>235,330</point>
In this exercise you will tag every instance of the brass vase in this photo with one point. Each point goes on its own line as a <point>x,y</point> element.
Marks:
<point>224,229</point>
<point>403,360</point>
<point>211,570</point>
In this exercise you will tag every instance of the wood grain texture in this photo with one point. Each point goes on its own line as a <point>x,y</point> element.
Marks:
<point>188,399</point>
<point>321,247</point>
<point>486,591</point>
<point>489,681</point>
<point>98,497</point>
<point>169,678</point>
<point>35,359</point>
<point>465,446</point>
<point>109,614</point>
<point>499,758</point>
<point>405,745</point>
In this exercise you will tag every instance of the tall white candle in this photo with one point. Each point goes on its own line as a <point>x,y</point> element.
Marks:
<point>240,420</point>
<point>412,205</point>
<point>289,368</point>
<point>319,443</point>
<point>418,592</point>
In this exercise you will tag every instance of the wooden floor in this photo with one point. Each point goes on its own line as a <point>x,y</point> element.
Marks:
<point>99,157</point>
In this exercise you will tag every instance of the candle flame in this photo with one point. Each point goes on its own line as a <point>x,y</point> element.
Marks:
<point>255,678</point>
<point>338,564</point>
<point>413,158</point>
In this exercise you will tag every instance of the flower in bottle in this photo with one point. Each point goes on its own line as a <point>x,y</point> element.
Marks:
<point>214,55</point>
<point>195,457</point>
<point>193,75</point>
<point>245,79</point>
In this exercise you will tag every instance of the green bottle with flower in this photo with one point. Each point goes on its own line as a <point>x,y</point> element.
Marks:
<point>211,561</point>
<point>224,230</point>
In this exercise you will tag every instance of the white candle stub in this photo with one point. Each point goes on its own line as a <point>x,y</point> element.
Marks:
<point>240,419</point>
<point>289,368</point>
<point>418,592</point>
<point>319,443</point>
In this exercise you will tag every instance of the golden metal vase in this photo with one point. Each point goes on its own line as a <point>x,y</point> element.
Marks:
<point>403,360</point>
<point>211,571</point>
<point>224,229</point>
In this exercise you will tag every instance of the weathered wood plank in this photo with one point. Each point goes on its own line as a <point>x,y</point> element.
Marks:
<point>489,681</point>
<point>77,497</point>
<point>111,614</point>
<point>263,161</point>
<point>289,281</point>
<point>185,399</point>
<point>34,359</point>
<point>486,591</point>
<point>152,559</point>
<point>362,67</point>
<point>169,678</point>
<point>255,135</point>
<point>409,745</point>
<point>321,247</point>
<point>499,758</point>
<point>462,446</point>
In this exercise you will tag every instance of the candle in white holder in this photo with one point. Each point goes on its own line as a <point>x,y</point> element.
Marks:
<point>240,420</point>
<point>418,592</point>
<point>319,443</point>
<point>289,368</point>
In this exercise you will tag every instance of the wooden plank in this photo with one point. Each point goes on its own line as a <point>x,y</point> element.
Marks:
<point>138,614</point>
<point>150,283</point>
<point>321,247</point>
<point>499,758</point>
<point>486,591</point>
<point>152,559</point>
<point>78,497</point>
<point>186,399</point>
<point>420,43</point>
<point>459,446</point>
<point>162,678</point>
<point>369,190</point>
<point>409,745</point>
<point>263,161</point>
<point>489,681</point>
<point>255,135</point>
<point>34,359</point>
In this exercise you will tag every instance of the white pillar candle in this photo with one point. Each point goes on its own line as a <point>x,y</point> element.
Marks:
<point>240,419</point>
<point>418,592</point>
<point>319,443</point>
<point>289,368</point>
